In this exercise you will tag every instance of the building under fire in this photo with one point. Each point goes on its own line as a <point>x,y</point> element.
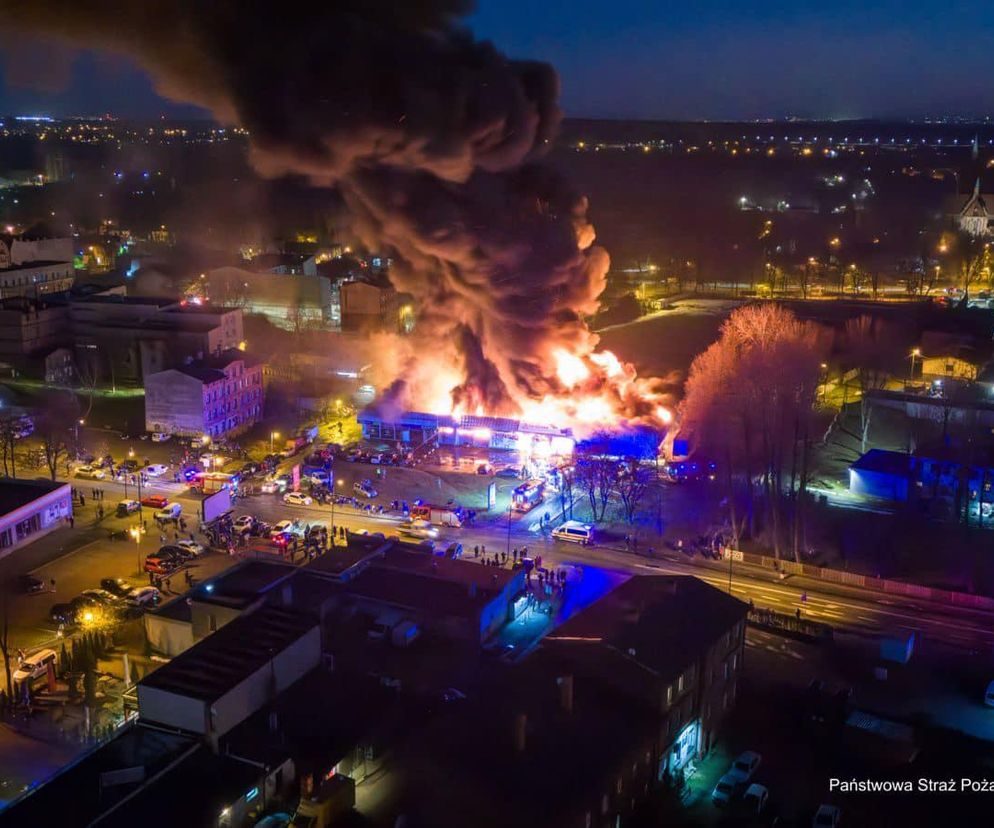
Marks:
<point>416,429</point>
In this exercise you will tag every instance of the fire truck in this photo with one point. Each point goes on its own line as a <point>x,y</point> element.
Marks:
<point>438,515</point>
<point>528,495</point>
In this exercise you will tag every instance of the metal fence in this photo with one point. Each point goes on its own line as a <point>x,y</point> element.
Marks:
<point>961,599</point>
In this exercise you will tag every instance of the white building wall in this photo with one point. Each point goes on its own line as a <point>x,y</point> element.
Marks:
<point>172,709</point>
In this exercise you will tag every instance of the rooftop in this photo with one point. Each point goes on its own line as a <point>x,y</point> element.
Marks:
<point>79,783</point>
<point>884,462</point>
<point>17,493</point>
<point>218,663</point>
<point>242,584</point>
<point>662,622</point>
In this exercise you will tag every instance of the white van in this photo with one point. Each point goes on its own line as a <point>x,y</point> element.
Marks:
<point>574,532</point>
<point>34,666</point>
<point>171,511</point>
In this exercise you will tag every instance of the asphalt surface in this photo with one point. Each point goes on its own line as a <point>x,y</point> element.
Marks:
<point>844,607</point>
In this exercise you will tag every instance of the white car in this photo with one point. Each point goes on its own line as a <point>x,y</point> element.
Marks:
<point>745,766</point>
<point>143,596</point>
<point>827,816</point>
<point>34,666</point>
<point>243,523</point>
<point>724,790</point>
<point>419,529</point>
<point>363,490</point>
<point>273,485</point>
<point>194,548</point>
<point>284,527</point>
<point>159,437</point>
<point>90,473</point>
<point>156,469</point>
<point>297,499</point>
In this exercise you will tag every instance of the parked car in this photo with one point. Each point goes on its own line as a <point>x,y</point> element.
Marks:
<point>90,473</point>
<point>30,585</point>
<point>724,790</point>
<point>159,566</point>
<point>127,507</point>
<point>508,474</point>
<point>755,799</point>
<point>297,499</point>
<point>101,596</point>
<point>34,666</point>
<point>453,551</point>
<point>194,548</point>
<point>274,485</point>
<point>156,469</point>
<point>119,586</point>
<point>364,489</point>
<point>160,437</point>
<point>171,511</point>
<point>745,766</point>
<point>243,523</point>
<point>827,816</point>
<point>282,528</point>
<point>143,596</point>
<point>62,613</point>
<point>175,553</point>
<point>155,501</point>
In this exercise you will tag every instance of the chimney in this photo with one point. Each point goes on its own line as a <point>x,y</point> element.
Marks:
<point>566,693</point>
<point>520,729</point>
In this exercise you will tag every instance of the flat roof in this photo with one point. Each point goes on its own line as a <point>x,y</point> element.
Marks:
<point>340,560</point>
<point>886,462</point>
<point>410,558</point>
<point>218,663</point>
<point>424,592</point>
<point>15,493</point>
<point>243,583</point>
<point>77,787</point>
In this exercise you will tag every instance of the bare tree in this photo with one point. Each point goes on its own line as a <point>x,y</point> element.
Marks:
<point>632,483</point>
<point>54,428</point>
<point>5,596</point>
<point>868,349</point>
<point>597,476</point>
<point>9,426</point>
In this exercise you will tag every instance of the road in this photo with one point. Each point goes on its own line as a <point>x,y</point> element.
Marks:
<point>844,607</point>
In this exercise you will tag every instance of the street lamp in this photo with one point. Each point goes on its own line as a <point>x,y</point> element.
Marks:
<point>136,535</point>
<point>338,483</point>
<point>915,353</point>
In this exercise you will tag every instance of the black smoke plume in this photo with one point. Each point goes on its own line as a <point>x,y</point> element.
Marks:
<point>432,138</point>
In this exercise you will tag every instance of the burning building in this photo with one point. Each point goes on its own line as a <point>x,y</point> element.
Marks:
<point>415,430</point>
<point>433,140</point>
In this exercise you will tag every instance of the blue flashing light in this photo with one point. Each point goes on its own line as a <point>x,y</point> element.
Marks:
<point>251,794</point>
<point>209,587</point>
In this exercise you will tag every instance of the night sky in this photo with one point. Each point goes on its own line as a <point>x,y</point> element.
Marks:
<point>646,59</point>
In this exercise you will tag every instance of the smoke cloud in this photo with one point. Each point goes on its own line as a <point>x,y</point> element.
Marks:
<point>433,140</point>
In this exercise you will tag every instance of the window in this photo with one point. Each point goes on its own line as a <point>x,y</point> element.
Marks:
<point>669,695</point>
<point>725,671</point>
<point>679,684</point>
